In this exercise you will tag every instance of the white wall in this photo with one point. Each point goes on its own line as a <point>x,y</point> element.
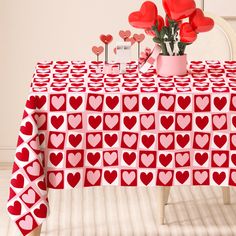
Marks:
<point>32,30</point>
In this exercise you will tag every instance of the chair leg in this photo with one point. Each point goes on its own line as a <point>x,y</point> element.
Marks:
<point>166,194</point>
<point>226,195</point>
<point>161,205</point>
<point>36,232</point>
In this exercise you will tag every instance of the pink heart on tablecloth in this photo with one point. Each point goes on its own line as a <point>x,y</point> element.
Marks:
<point>202,102</point>
<point>130,139</point>
<point>34,169</point>
<point>110,158</point>
<point>27,223</point>
<point>74,159</point>
<point>95,102</point>
<point>165,177</point>
<point>202,140</point>
<point>130,102</point>
<point>93,176</point>
<point>233,139</point>
<point>219,121</point>
<point>167,101</point>
<point>183,120</point>
<point>111,121</point>
<point>74,120</point>
<point>41,119</point>
<point>200,176</point>
<point>128,177</point>
<point>147,121</point>
<point>29,197</point>
<point>94,139</point>
<point>55,179</point>
<point>219,159</point>
<point>57,102</point>
<point>147,159</point>
<point>57,139</point>
<point>182,159</point>
<point>233,176</point>
<point>166,140</point>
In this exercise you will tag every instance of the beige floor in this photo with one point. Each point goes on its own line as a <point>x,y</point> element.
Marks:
<point>129,211</point>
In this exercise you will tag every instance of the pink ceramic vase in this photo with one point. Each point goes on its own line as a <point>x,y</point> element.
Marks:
<point>171,65</point>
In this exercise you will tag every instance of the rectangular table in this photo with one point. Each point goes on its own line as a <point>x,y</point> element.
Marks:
<point>81,128</point>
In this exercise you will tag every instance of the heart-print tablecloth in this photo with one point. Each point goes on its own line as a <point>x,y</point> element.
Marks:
<point>83,128</point>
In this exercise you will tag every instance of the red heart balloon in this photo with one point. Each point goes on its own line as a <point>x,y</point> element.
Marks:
<point>161,23</point>
<point>106,38</point>
<point>146,17</point>
<point>187,34</point>
<point>179,9</point>
<point>200,23</point>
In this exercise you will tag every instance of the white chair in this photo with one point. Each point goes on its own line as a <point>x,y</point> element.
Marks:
<point>218,44</point>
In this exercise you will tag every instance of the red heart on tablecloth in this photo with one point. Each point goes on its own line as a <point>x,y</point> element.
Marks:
<point>57,121</point>
<point>125,34</point>
<point>201,158</point>
<point>94,122</point>
<point>183,140</point>
<point>23,155</point>
<point>166,122</point>
<point>15,209</point>
<point>182,176</point>
<point>202,122</point>
<point>73,179</point>
<point>56,158</point>
<point>199,22</point>
<point>184,102</point>
<point>129,158</point>
<point>146,178</point>
<point>112,102</point>
<point>145,17</point>
<point>97,50</point>
<point>148,102</point>
<point>93,158</point>
<point>27,129</point>
<point>18,182</point>
<point>219,177</point>
<point>106,38</point>
<point>111,139</point>
<point>180,9</point>
<point>220,102</point>
<point>148,140</point>
<point>41,212</point>
<point>75,139</point>
<point>130,121</point>
<point>110,176</point>
<point>220,140</point>
<point>165,159</point>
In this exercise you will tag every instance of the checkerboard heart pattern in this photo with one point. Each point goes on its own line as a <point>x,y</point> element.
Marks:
<point>81,128</point>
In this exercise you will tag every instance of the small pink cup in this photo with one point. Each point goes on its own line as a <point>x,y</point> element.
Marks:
<point>171,65</point>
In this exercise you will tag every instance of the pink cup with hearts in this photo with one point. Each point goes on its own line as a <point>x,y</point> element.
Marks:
<point>171,65</point>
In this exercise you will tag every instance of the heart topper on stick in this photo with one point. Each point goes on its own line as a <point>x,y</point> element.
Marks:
<point>97,51</point>
<point>125,34</point>
<point>139,38</point>
<point>106,39</point>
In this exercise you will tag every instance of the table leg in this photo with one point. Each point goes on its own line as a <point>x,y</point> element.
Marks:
<point>226,195</point>
<point>166,194</point>
<point>35,232</point>
<point>161,205</point>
